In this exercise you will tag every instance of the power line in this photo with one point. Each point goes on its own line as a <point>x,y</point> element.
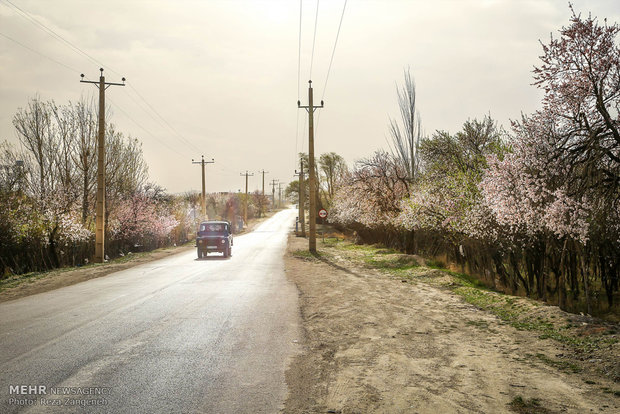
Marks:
<point>58,37</point>
<point>334,49</point>
<point>303,141</point>
<point>39,53</point>
<point>316,19</point>
<point>299,53</point>
<point>296,139</point>
<point>316,126</point>
<point>146,111</point>
<point>146,130</point>
<point>113,103</point>
<point>298,84</point>
<point>166,122</point>
<point>52,33</point>
<point>41,26</point>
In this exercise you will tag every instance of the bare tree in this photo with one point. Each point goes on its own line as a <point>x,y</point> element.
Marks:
<point>33,126</point>
<point>126,170</point>
<point>63,138</point>
<point>85,152</point>
<point>11,169</point>
<point>192,200</point>
<point>382,181</point>
<point>260,202</point>
<point>332,167</point>
<point>406,135</point>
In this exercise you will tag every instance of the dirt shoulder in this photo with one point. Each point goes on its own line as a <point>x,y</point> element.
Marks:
<point>383,333</point>
<point>25,285</point>
<point>33,283</point>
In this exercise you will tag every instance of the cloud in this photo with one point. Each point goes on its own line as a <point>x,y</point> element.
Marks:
<point>224,73</point>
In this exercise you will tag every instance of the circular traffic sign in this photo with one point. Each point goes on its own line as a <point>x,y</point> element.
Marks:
<point>322,213</point>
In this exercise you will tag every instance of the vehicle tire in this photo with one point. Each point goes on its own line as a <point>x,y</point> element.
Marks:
<point>226,251</point>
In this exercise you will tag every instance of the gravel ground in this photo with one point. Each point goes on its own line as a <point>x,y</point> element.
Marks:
<point>376,343</point>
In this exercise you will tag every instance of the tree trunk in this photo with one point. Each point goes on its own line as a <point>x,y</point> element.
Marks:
<point>561,288</point>
<point>52,248</point>
<point>585,273</point>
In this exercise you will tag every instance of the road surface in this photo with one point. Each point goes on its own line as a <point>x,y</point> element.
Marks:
<point>174,335</point>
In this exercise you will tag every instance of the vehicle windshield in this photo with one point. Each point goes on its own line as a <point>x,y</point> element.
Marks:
<point>214,227</point>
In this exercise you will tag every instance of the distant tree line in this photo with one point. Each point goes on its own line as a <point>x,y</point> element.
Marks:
<point>533,211</point>
<point>48,191</point>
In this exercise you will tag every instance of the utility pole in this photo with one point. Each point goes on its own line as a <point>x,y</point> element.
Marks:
<point>310,108</point>
<point>280,195</point>
<point>302,219</point>
<point>203,201</point>
<point>263,196</point>
<point>264,172</point>
<point>273,192</point>
<point>245,204</point>
<point>100,221</point>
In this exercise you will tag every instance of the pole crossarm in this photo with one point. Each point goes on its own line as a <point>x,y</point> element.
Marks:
<point>203,160</point>
<point>311,106</point>
<point>99,83</point>
<point>307,107</point>
<point>107,84</point>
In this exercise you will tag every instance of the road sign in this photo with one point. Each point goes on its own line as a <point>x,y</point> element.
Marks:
<point>322,213</point>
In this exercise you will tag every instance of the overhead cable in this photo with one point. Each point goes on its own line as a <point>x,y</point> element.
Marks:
<point>334,49</point>
<point>39,53</point>
<point>316,19</point>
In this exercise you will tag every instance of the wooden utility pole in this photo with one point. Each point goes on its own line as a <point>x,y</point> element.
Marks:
<point>302,219</point>
<point>310,108</point>
<point>273,192</point>
<point>245,204</point>
<point>203,200</point>
<point>100,220</point>
<point>263,172</point>
<point>280,195</point>
<point>262,202</point>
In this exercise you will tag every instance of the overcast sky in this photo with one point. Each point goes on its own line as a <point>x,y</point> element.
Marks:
<point>224,74</point>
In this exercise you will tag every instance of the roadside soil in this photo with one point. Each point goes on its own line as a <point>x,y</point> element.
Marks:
<point>25,285</point>
<point>42,282</point>
<point>375,343</point>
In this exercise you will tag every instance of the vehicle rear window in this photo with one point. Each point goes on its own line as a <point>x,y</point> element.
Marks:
<point>213,227</point>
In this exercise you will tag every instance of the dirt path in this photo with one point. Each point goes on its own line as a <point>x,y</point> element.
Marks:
<point>375,344</point>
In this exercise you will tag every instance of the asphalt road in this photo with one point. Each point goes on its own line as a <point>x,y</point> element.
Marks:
<point>178,335</point>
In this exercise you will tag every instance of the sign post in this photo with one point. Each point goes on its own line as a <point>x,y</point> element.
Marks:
<point>323,215</point>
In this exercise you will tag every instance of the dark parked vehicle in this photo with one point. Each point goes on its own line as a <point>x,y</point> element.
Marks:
<point>214,236</point>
